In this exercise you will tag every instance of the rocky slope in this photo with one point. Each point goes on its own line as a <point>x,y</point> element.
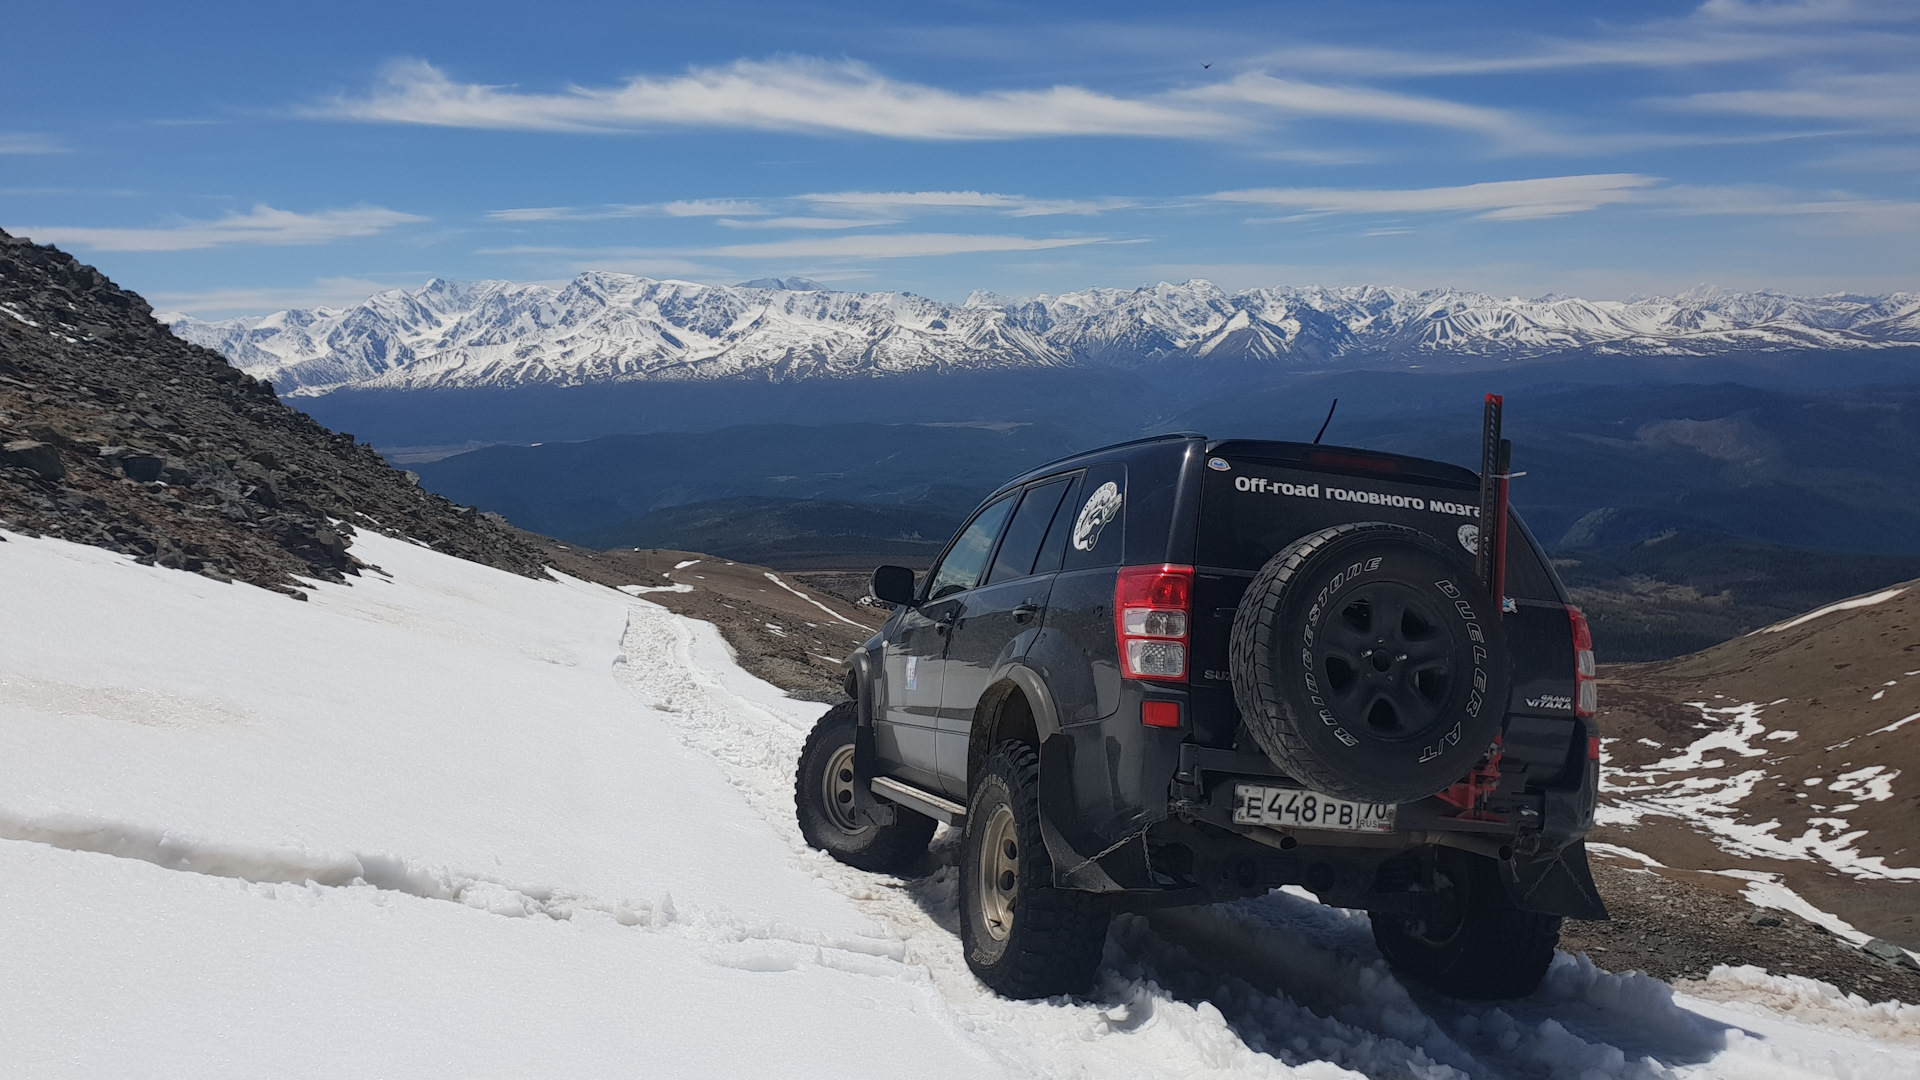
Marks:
<point>1786,755</point>
<point>605,327</point>
<point>116,433</point>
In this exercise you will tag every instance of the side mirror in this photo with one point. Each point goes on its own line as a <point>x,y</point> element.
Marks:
<point>893,584</point>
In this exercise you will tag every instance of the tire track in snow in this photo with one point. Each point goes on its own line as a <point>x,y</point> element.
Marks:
<point>732,941</point>
<point>1274,986</point>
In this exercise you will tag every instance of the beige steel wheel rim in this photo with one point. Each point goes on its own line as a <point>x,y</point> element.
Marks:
<point>999,871</point>
<point>836,790</point>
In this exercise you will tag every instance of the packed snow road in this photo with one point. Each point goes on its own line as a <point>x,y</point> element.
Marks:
<point>414,827</point>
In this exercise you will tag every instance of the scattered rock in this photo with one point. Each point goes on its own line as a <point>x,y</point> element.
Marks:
<point>138,442</point>
<point>1888,951</point>
<point>42,459</point>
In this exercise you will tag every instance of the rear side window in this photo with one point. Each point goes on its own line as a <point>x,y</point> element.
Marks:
<point>1094,526</point>
<point>1018,551</point>
<point>960,569</point>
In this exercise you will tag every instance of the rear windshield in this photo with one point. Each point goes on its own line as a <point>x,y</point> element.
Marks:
<point>1251,510</point>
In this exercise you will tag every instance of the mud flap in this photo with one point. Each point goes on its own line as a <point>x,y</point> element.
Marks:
<point>1075,856</point>
<point>866,808</point>
<point>1559,885</point>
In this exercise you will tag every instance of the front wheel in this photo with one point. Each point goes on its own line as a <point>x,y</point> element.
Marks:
<point>1477,943</point>
<point>823,802</point>
<point>1022,937</point>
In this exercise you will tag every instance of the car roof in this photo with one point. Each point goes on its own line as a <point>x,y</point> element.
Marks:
<point>1098,454</point>
<point>1318,457</point>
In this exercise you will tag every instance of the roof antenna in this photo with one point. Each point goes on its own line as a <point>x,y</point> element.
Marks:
<point>1328,420</point>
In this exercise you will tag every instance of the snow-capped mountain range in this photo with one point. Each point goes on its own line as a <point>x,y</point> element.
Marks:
<point>615,327</point>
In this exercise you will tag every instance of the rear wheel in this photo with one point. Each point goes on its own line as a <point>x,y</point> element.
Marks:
<point>823,802</point>
<point>1022,937</point>
<point>1475,944</point>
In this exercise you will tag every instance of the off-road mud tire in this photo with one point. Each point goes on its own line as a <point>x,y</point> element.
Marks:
<point>1051,939</point>
<point>883,849</point>
<point>1441,709</point>
<point>1486,949</point>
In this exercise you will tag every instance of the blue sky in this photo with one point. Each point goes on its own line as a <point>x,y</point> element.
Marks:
<point>238,157</point>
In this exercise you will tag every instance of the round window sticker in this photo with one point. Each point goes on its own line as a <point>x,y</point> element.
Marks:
<point>1218,464</point>
<point>1470,538</point>
<point>1102,506</point>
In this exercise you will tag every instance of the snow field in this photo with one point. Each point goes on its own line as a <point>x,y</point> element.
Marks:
<point>455,822</point>
<point>409,828</point>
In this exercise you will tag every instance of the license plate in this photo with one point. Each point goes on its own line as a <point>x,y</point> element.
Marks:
<point>1294,808</point>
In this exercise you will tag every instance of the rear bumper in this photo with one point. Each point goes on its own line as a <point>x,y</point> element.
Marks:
<point>1186,845</point>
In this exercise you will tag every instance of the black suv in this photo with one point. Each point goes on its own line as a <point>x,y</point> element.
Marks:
<point>1181,670</point>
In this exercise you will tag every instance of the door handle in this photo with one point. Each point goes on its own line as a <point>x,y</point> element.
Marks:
<point>1025,611</point>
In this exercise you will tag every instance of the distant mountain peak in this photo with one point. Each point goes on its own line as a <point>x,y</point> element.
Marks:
<point>610,327</point>
<point>786,284</point>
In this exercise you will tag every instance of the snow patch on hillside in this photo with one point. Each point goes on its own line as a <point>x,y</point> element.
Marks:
<point>1699,787</point>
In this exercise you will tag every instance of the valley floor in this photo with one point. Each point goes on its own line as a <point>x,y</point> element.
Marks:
<point>448,821</point>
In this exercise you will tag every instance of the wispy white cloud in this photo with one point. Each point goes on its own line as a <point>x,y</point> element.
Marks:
<point>1717,32</point>
<point>907,202</point>
<point>883,246</point>
<point>845,97</point>
<point>261,225</point>
<point>806,223</point>
<point>1293,97</point>
<point>219,303</point>
<point>893,246</point>
<point>796,94</point>
<point>15,142</point>
<point>1500,200</point>
<point>611,211</point>
<point>1881,100</point>
<point>712,208</point>
<point>1852,212</point>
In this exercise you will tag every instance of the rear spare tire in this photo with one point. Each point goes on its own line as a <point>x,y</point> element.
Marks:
<point>1369,663</point>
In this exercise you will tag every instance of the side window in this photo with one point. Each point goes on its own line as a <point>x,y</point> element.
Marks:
<point>1026,530</point>
<point>1095,526</point>
<point>1055,545</point>
<point>961,568</point>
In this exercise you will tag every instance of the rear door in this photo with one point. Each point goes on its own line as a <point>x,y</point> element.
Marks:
<point>915,654</point>
<point>996,620</point>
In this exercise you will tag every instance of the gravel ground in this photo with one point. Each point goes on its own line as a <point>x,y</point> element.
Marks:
<point>1677,930</point>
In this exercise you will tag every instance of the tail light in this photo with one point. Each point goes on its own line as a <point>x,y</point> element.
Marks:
<point>1586,697</point>
<point>1152,614</point>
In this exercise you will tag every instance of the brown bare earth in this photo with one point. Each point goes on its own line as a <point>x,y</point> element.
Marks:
<point>783,635</point>
<point>1677,925</point>
<point>1835,772</point>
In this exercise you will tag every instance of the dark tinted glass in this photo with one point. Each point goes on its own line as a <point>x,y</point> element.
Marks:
<point>960,569</point>
<point>1026,530</point>
<point>1055,545</point>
